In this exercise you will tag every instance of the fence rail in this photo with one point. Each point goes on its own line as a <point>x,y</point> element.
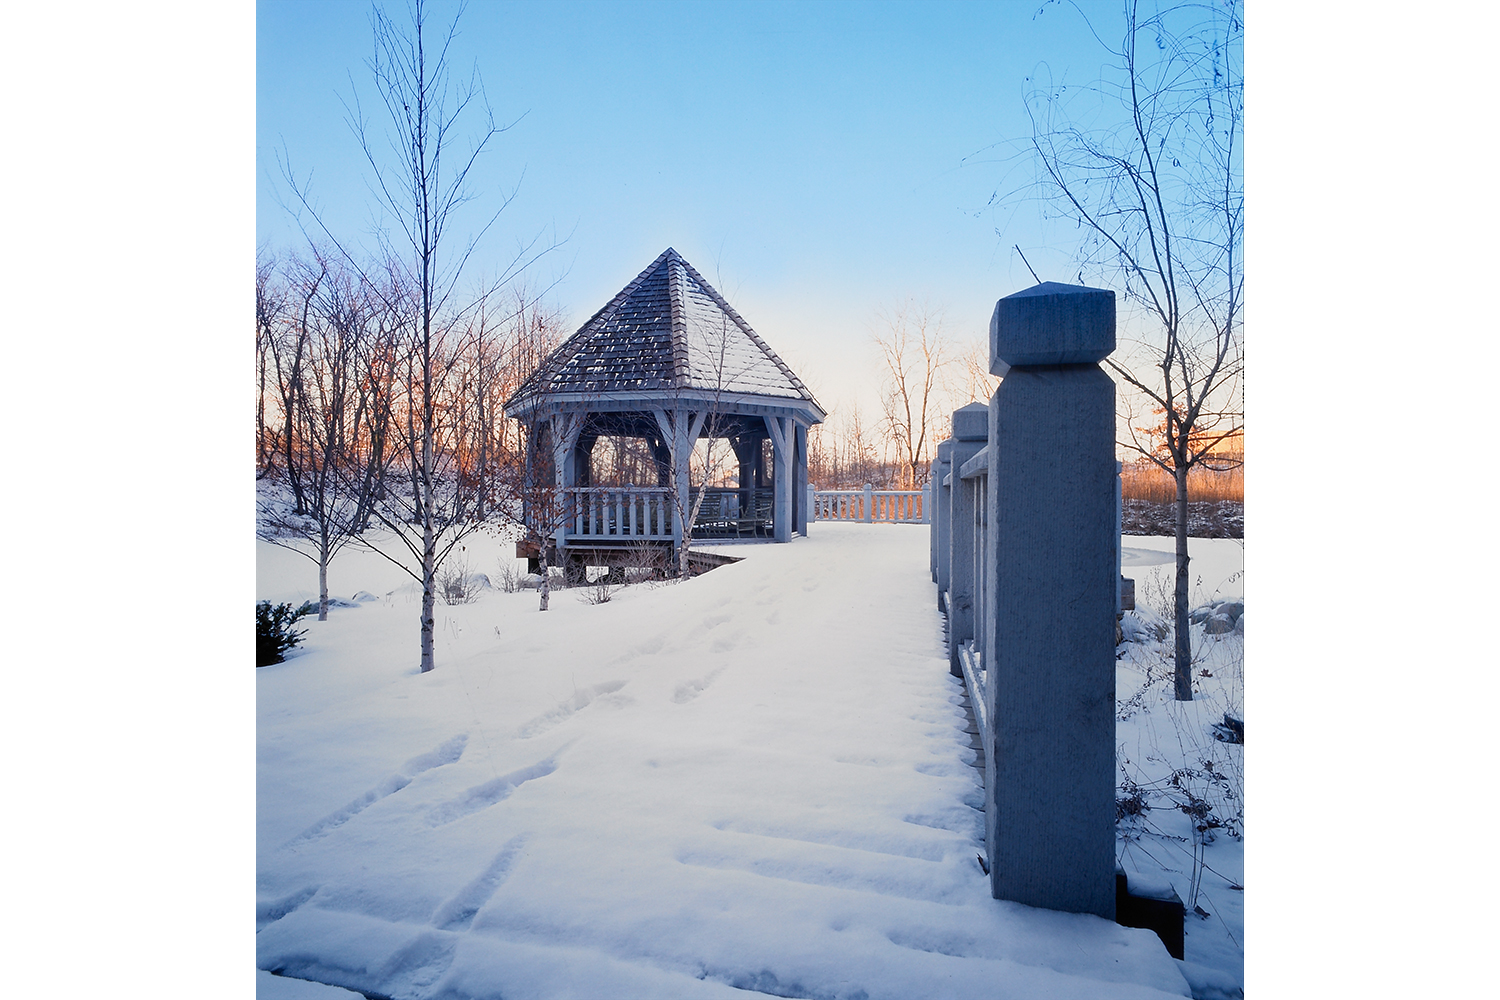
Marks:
<point>869,505</point>
<point>600,512</point>
<point>607,513</point>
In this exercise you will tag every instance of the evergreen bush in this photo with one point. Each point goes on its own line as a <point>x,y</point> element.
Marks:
<point>274,634</point>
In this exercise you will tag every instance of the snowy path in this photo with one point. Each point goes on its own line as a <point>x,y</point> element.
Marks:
<point>754,781</point>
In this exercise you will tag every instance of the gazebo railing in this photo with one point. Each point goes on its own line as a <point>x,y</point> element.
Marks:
<point>647,513</point>
<point>620,512</point>
<point>869,504</point>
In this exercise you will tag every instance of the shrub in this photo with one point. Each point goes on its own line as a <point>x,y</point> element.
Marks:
<point>457,583</point>
<point>274,635</point>
<point>600,591</point>
<point>509,578</point>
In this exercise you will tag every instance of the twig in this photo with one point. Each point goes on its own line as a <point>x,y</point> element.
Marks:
<point>1026,262</point>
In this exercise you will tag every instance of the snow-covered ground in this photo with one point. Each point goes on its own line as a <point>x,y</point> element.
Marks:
<point>751,781</point>
<point>1170,765</point>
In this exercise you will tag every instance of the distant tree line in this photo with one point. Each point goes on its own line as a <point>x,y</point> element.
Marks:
<point>338,390</point>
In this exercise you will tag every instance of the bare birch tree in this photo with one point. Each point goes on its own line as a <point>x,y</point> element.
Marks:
<point>421,179</point>
<point>1159,195</point>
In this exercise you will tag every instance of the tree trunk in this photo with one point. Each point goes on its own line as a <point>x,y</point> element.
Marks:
<point>262,453</point>
<point>429,587</point>
<point>429,547</point>
<point>323,557</point>
<point>1183,658</point>
<point>545,590</point>
<point>484,435</point>
<point>427,611</point>
<point>428,492</point>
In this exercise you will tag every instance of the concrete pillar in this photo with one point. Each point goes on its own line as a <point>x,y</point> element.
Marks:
<point>869,503</point>
<point>940,511</point>
<point>970,432</point>
<point>985,623</point>
<point>928,492</point>
<point>1050,808</point>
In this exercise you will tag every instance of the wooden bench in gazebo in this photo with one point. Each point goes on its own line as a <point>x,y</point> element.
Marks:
<point>667,362</point>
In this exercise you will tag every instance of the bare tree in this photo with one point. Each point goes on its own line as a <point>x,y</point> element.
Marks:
<point>526,487</point>
<point>971,381</point>
<point>1159,195</point>
<point>382,349</point>
<point>846,453</point>
<point>710,363</point>
<point>270,300</point>
<point>421,180</point>
<point>543,504</point>
<point>286,339</point>
<point>479,405</point>
<point>859,452</point>
<point>822,456</point>
<point>324,424</point>
<point>916,355</point>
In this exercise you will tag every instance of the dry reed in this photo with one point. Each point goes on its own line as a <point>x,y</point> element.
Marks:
<point>1141,480</point>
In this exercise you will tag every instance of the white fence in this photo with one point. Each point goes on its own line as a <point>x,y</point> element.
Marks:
<point>868,504</point>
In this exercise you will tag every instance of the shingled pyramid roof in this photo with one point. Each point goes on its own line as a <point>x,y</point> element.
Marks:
<point>666,332</point>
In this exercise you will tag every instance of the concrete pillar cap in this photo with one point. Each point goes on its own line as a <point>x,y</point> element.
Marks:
<point>1052,324</point>
<point>972,422</point>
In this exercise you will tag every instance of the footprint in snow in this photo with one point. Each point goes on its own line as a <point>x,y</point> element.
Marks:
<point>688,690</point>
<point>268,911</point>
<point>581,699</point>
<point>447,753</point>
<point>488,794</point>
<point>458,913</point>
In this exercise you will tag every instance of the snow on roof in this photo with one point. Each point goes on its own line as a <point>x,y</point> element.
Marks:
<point>666,331</point>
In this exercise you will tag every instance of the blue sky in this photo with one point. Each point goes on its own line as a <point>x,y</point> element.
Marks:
<point>818,162</point>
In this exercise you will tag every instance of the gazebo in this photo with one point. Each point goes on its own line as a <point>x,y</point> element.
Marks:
<point>666,364</point>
